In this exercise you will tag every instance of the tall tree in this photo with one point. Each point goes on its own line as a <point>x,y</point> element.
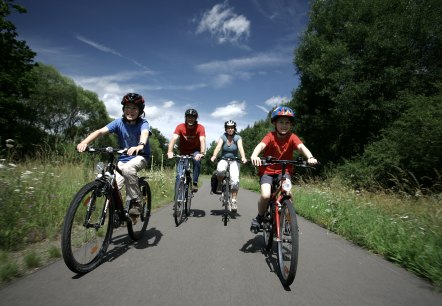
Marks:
<point>357,61</point>
<point>16,59</point>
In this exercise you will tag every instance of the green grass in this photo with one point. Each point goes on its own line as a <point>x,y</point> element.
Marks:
<point>407,231</point>
<point>35,196</point>
<point>33,203</point>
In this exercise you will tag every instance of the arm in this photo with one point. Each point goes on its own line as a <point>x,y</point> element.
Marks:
<point>202,148</point>
<point>256,161</point>
<point>171,144</point>
<point>217,149</point>
<point>241,151</point>
<point>81,147</point>
<point>143,138</point>
<point>306,152</point>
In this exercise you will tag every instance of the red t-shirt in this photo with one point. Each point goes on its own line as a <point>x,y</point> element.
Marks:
<point>189,138</point>
<point>280,148</point>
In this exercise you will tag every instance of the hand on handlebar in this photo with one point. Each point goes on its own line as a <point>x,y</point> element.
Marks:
<point>255,160</point>
<point>81,147</point>
<point>199,156</point>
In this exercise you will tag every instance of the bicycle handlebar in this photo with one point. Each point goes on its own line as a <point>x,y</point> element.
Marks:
<point>183,156</point>
<point>229,159</point>
<point>299,162</point>
<point>106,150</point>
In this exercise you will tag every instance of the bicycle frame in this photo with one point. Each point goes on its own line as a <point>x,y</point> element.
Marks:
<point>183,196</point>
<point>226,195</point>
<point>279,194</point>
<point>280,215</point>
<point>96,209</point>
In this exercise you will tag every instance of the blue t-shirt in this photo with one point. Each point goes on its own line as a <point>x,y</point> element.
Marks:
<point>129,136</point>
<point>230,151</point>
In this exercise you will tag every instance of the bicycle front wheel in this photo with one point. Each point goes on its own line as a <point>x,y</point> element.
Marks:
<point>288,243</point>
<point>188,197</point>
<point>87,228</point>
<point>178,207</point>
<point>267,229</point>
<point>137,227</point>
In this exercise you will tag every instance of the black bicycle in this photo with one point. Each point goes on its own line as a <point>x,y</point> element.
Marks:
<point>183,189</point>
<point>280,223</point>
<point>96,210</point>
<point>226,196</point>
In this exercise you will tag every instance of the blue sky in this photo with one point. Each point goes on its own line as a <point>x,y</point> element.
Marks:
<point>227,59</point>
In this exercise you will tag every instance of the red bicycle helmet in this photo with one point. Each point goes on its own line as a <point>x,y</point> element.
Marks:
<point>134,98</point>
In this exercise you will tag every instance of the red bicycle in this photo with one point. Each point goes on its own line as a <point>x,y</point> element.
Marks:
<point>280,223</point>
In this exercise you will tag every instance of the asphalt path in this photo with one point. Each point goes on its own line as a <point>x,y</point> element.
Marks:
<point>203,262</point>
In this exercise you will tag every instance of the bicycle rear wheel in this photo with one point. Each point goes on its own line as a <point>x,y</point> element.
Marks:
<point>87,228</point>
<point>137,227</point>
<point>288,244</point>
<point>178,207</point>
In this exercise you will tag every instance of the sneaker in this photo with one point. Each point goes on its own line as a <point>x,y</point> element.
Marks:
<point>256,224</point>
<point>195,188</point>
<point>135,209</point>
<point>234,206</point>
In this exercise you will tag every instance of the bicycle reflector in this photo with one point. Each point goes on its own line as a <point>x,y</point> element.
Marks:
<point>287,185</point>
<point>99,168</point>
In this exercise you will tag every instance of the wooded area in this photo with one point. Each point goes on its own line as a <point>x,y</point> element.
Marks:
<point>369,103</point>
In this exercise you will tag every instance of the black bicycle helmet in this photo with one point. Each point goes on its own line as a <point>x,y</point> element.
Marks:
<point>191,112</point>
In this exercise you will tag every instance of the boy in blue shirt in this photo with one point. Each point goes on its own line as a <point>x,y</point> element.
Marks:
<point>133,133</point>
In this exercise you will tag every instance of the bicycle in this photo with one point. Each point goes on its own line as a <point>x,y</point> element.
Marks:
<point>280,223</point>
<point>96,209</point>
<point>183,189</point>
<point>226,197</point>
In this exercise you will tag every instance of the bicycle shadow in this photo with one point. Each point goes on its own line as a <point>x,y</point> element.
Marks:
<point>122,243</point>
<point>257,245</point>
<point>220,212</point>
<point>151,238</point>
<point>197,213</point>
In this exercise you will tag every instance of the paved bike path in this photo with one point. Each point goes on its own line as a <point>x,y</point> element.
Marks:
<point>203,262</point>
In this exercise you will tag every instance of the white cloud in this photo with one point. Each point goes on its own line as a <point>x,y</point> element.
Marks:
<point>222,80</point>
<point>109,50</point>
<point>276,101</point>
<point>234,109</point>
<point>258,61</point>
<point>225,25</point>
<point>265,110</point>
<point>168,104</point>
<point>272,103</point>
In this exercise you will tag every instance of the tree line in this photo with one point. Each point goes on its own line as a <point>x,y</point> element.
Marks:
<point>369,103</point>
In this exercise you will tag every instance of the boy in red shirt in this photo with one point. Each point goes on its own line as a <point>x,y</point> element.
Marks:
<point>192,136</point>
<point>279,144</point>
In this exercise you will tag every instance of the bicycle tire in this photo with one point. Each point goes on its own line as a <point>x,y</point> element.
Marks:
<point>289,243</point>
<point>188,195</point>
<point>178,206</point>
<point>268,229</point>
<point>226,199</point>
<point>83,248</point>
<point>136,231</point>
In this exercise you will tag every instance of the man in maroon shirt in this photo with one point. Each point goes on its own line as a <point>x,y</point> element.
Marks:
<point>192,141</point>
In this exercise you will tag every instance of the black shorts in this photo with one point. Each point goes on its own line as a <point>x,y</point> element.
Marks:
<point>268,178</point>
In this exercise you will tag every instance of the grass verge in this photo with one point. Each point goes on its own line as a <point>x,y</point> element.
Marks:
<point>407,231</point>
